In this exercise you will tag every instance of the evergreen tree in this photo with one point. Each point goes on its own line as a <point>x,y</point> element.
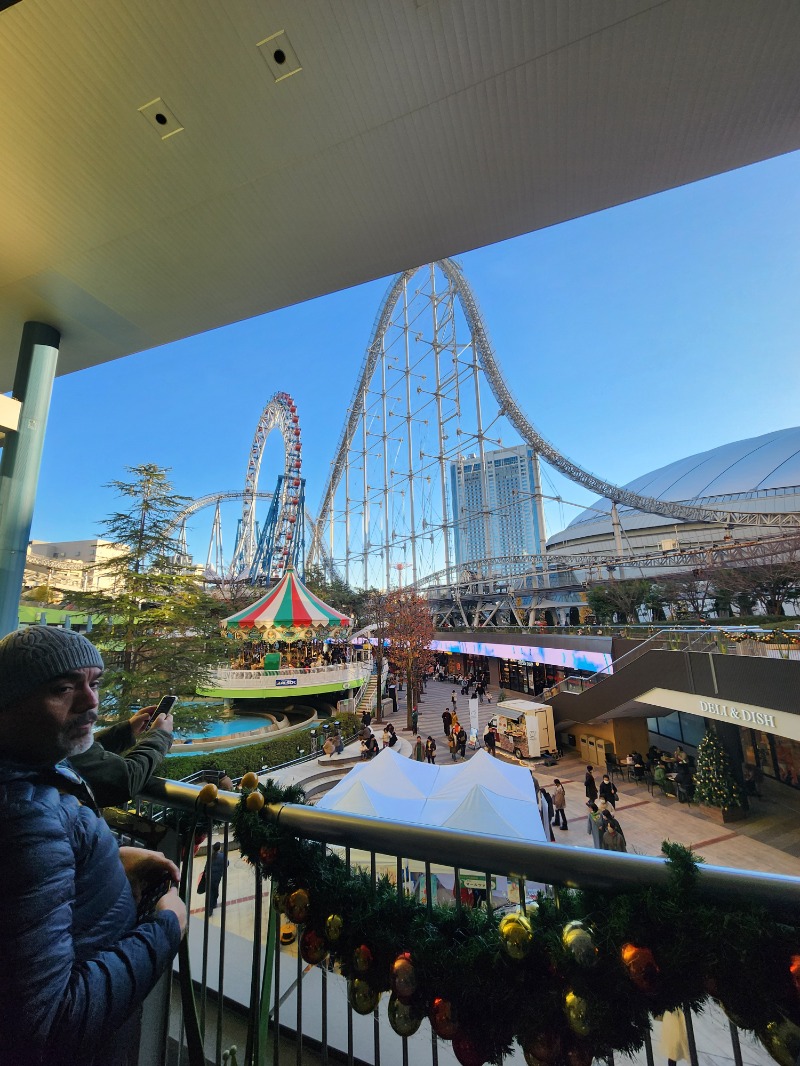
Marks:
<point>714,782</point>
<point>158,628</point>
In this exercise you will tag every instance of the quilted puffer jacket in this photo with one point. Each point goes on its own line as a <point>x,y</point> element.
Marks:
<point>75,963</point>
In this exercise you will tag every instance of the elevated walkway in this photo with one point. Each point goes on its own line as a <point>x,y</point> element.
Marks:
<point>707,675</point>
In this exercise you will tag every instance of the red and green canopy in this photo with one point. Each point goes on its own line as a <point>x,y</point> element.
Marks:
<point>290,610</point>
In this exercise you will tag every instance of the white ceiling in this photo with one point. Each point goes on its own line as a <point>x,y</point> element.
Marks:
<point>415,129</point>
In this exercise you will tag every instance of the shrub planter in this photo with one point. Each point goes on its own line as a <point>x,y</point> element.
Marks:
<point>723,815</point>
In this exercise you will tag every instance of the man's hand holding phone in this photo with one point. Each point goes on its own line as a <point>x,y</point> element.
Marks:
<point>157,717</point>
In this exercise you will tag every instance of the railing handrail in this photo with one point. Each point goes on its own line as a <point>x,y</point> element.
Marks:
<point>556,864</point>
<point>358,667</point>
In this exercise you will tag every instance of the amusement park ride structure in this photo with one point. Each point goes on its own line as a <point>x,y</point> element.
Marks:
<point>262,552</point>
<point>430,393</point>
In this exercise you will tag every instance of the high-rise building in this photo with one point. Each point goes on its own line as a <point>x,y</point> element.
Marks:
<point>496,511</point>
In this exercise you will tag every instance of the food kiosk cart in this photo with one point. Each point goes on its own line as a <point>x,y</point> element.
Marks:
<point>524,728</point>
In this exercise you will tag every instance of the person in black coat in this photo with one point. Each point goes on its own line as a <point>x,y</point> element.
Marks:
<point>590,786</point>
<point>608,791</point>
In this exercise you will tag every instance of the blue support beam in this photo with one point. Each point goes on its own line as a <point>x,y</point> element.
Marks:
<point>21,461</point>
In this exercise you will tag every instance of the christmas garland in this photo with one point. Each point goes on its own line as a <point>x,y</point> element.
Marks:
<point>574,978</point>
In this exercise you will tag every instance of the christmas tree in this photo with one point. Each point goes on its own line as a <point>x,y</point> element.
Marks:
<point>714,782</point>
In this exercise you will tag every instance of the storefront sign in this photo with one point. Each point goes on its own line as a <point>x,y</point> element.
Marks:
<point>781,723</point>
<point>476,881</point>
<point>285,682</point>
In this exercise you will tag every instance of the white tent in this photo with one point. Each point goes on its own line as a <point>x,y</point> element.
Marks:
<point>482,795</point>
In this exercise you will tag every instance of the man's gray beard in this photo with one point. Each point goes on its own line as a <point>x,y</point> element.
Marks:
<point>80,745</point>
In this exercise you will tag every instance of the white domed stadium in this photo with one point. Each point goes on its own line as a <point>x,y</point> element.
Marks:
<point>759,474</point>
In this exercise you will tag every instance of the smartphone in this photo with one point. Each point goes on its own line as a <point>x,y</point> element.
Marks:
<point>165,705</point>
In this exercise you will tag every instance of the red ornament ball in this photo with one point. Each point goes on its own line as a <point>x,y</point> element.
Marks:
<point>267,854</point>
<point>794,971</point>
<point>579,1055</point>
<point>468,1050</point>
<point>444,1018</point>
<point>543,1050</point>
<point>362,959</point>
<point>312,947</point>
<point>642,969</point>
<point>403,977</point>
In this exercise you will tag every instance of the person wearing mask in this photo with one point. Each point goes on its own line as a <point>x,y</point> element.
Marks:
<point>608,791</point>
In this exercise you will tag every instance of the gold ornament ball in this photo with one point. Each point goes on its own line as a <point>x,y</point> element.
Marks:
<point>296,905</point>
<point>362,996</point>
<point>516,935</point>
<point>334,924</point>
<point>403,976</point>
<point>577,939</point>
<point>208,794</point>
<point>255,801</point>
<point>444,1018</point>
<point>249,781</point>
<point>781,1038</point>
<point>404,1018</point>
<point>576,1008</point>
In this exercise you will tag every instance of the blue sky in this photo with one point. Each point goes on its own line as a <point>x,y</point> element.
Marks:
<point>632,338</point>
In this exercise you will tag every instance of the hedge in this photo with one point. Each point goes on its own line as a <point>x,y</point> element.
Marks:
<point>237,761</point>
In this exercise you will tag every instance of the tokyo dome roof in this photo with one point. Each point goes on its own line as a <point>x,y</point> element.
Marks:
<point>744,471</point>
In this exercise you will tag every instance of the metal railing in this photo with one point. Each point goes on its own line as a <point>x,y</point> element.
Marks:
<point>308,1002</point>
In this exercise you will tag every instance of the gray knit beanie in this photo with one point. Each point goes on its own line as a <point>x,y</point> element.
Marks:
<point>34,655</point>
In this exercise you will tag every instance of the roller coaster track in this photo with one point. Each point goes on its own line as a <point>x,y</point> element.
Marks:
<point>513,412</point>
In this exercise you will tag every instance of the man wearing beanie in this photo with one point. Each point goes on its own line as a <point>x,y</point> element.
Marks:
<point>77,960</point>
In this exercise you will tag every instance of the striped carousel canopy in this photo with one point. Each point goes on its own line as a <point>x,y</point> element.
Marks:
<point>288,607</point>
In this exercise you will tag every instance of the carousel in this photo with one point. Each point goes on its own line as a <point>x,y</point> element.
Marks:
<point>287,639</point>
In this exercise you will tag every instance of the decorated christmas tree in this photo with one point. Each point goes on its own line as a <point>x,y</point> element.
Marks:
<point>714,782</point>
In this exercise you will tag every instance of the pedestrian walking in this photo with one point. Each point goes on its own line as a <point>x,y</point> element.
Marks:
<point>613,840</point>
<point>430,750</point>
<point>546,809</point>
<point>590,786</point>
<point>452,743</point>
<point>419,750</point>
<point>453,700</point>
<point>559,805</point>
<point>461,737</point>
<point>490,740</point>
<point>608,791</point>
<point>447,721</point>
<point>414,720</point>
<point>594,825</point>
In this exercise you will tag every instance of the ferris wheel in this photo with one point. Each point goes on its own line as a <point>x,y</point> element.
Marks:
<point>264,550</point>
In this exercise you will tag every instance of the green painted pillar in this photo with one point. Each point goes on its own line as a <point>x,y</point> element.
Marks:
<point>21,460</point>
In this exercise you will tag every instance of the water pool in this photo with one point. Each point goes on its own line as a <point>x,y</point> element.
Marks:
<point>227,727</point>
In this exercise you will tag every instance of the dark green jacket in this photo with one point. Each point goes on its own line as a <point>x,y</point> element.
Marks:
<point>116,767</point>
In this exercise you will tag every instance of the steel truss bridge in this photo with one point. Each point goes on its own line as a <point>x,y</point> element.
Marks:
<point>430,402</point>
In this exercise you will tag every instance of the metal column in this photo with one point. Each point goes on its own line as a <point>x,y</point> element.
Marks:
<point>22,457</point>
